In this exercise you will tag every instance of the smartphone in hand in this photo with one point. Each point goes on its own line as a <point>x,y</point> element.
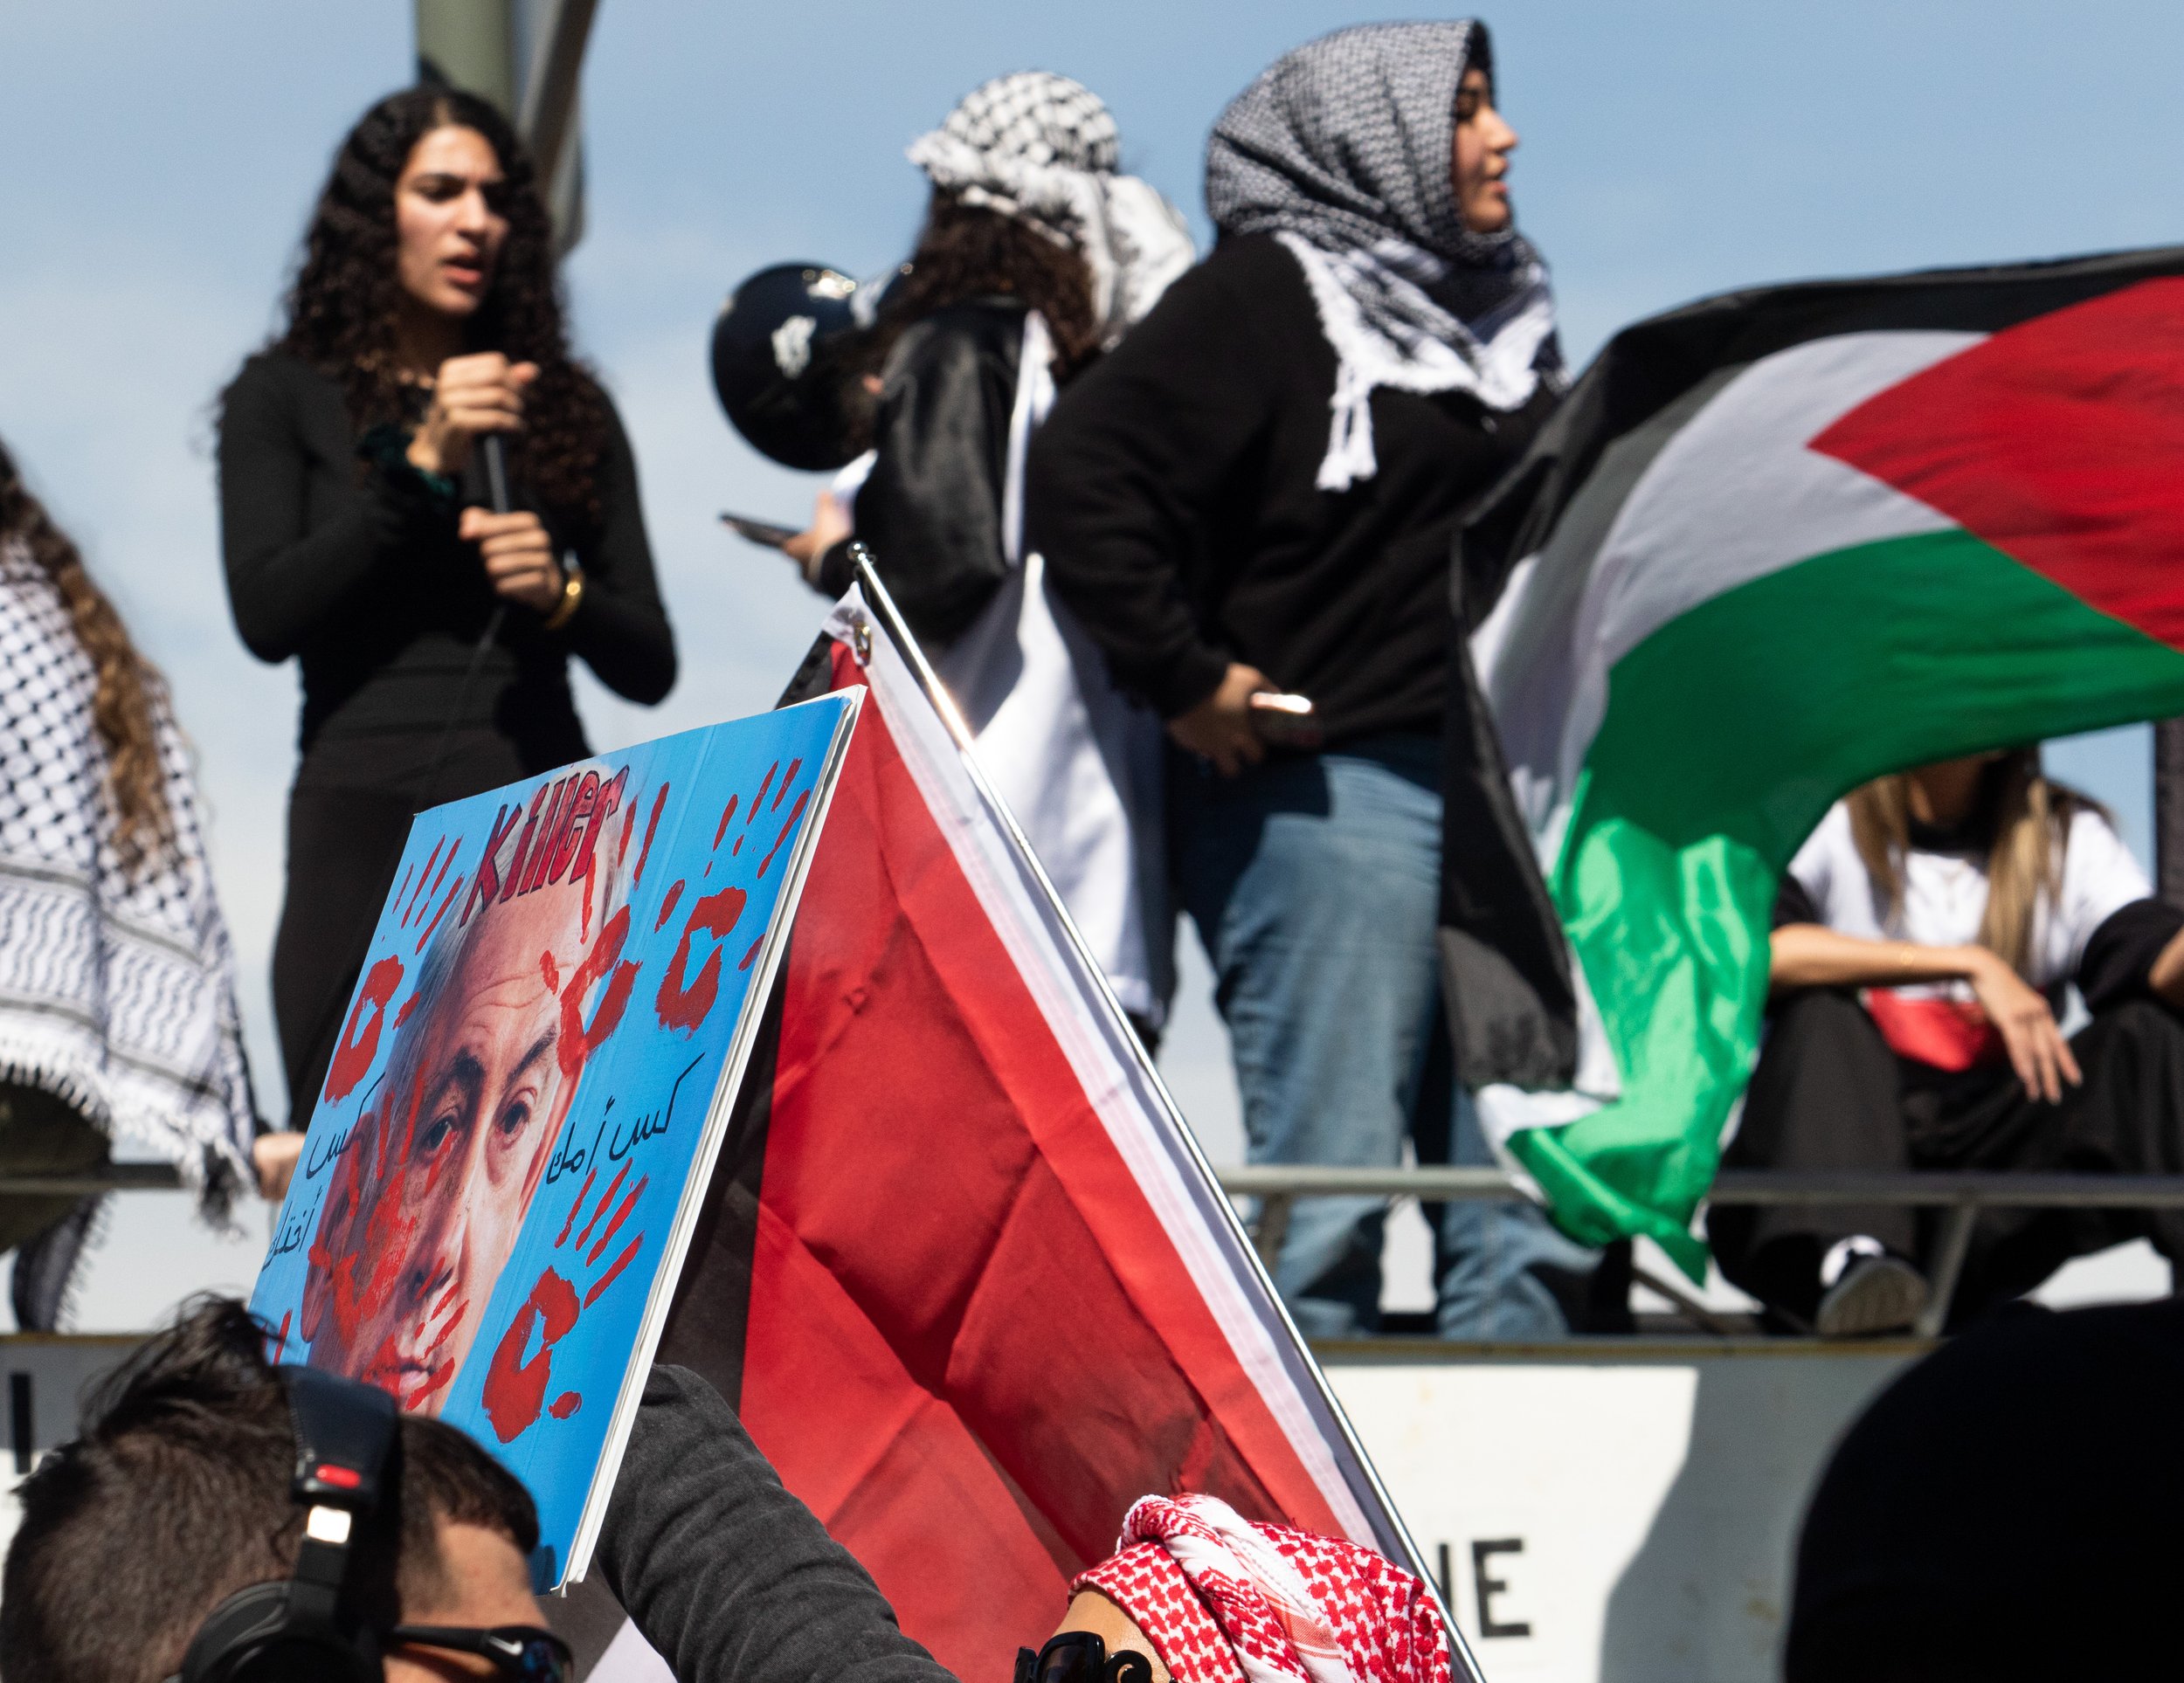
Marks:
<point>764,533</point>
<point>1284,720</point>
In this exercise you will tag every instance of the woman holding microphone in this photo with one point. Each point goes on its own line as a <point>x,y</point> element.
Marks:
<point>433,635</point>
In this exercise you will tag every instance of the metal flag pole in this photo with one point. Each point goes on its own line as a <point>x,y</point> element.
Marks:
<point>883,609</point>
<point>2169,809</point>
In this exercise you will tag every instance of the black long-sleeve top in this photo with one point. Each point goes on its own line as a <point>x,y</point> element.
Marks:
<point>931,508</point>
<point>1173,495</point>
<point>729,1576</point>
<point>353,566</point>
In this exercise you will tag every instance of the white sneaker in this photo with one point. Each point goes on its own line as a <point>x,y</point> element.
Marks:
<point>1876,1294</point>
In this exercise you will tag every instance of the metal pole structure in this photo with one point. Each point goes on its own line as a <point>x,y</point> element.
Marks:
<point>2168,809</point>
<point>547,118</point>
<point>470,45</point>
<point>526,56</point>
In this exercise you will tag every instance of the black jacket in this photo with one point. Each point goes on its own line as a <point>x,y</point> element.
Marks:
<point>931,510</point>
<point>1173,495</point>
<point>354,567</point>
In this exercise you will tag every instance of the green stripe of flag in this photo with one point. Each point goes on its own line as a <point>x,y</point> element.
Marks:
<point>1728,733</point>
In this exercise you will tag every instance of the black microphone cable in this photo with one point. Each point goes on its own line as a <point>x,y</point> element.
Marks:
<point>493,460</point>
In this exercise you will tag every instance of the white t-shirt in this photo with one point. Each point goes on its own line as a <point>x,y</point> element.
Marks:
<point>1945,896</point>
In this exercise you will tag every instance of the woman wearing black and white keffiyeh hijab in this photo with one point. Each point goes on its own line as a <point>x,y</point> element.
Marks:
<point>1257,491</point>
<point>117,986</point>
<point>1036,258</point>
<point>1342,151</point>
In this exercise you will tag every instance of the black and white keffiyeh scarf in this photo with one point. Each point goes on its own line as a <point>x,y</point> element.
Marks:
<point>117,987</point>
<point>1341,149</point>
<point>1044,150</point>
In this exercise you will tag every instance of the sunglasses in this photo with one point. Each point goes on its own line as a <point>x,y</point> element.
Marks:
<point>523,1653</point>
<point>1079,1657</point>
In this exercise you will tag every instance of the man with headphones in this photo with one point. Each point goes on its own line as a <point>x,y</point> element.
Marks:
<point>221,1521</point>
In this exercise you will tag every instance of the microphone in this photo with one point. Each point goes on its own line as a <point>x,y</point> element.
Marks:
<point>493,457</point>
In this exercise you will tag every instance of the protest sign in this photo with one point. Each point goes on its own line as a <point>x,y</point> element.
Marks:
<point>531,1087</point>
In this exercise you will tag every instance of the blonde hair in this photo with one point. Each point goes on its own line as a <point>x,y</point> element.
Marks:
<point>2029,822</point>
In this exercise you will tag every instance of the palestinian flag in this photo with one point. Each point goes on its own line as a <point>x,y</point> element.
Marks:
<point>1775,544</point>
<point>963,1272</point>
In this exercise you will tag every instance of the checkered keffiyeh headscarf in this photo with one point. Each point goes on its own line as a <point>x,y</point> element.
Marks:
<point>1226,1601</point>
<point>1043,148</point>
<point>1341,149</point>
<point>117,989</point>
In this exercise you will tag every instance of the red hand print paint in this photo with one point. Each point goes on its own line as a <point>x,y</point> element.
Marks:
<point>514,1389</point>
<point>787,824</point>
<point>410,910</point>
<point>684,1006</point>
<point>576,1042</point>
<point>442,913</point>
<point>652,824</point>
<point>360,1040</point>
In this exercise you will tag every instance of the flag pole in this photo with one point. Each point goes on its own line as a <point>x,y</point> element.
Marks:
<point>883,609</point>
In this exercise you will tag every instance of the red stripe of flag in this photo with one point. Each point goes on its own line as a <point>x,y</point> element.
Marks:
<point>971,1340</point>
<point>2060,441</point>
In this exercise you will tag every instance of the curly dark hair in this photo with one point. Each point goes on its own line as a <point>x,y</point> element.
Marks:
<point>967,252</point>
<point>127,686</point>
<point>341,310</point>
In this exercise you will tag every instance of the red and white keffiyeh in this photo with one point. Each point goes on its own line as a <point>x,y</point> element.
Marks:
<point>1226,1601</point>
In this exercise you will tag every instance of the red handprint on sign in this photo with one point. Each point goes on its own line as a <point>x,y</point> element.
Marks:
<point>515,1391</point>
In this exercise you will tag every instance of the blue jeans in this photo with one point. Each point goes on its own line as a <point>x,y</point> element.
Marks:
<point>1314,881</point>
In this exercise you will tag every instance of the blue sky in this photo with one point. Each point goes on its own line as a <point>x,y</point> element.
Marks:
<point>160,160</point>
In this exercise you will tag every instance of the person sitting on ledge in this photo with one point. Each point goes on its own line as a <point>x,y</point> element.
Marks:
<point>1923,940</point>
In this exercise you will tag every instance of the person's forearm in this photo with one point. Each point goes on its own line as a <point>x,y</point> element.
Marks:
<point>1812,956</point>
<point>627,642</point>
<point>1135,615</point>
<point>729,1576</point>
<point>2166,979</point>
<point>620,628</point>
<point>284,588</point>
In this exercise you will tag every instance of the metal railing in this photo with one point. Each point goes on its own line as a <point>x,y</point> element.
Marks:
<point>1962,1193</point>
<point>114,1177</point>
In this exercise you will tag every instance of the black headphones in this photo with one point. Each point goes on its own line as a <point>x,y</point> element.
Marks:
<point>303,1629</point>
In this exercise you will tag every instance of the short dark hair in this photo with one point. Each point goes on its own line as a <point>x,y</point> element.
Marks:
<point>174,1495</point>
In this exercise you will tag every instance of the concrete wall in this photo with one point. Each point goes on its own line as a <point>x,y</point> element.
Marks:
<point>1612,1512</point>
